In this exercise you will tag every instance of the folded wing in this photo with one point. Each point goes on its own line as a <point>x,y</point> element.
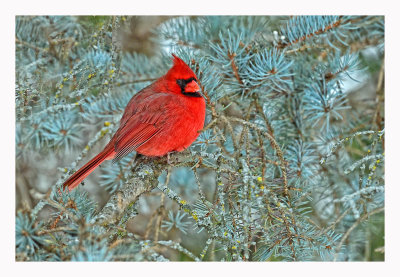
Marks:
<point>143,122</point>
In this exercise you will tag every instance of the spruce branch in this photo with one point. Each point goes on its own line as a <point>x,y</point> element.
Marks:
<point>144,179</point>
<point>287,166</point>
<point>352,227</point>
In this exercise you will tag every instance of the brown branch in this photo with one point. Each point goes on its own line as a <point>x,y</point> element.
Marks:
<point>144,179</point>
<point>318,32</point>
<point>205,93</point>
<point>149,224</point>
<point>232,132</point>
<point>235,69</point>
<point>361,219</point>
<point>26,44</point>
<point>59,229</point>
<point>267,123</point>
<point>274,145</point>
<point>300,49</point>
<point>244,132</point>
<point>161,209</point>
<point>136,81</point>
<point>379,100</point>
<point>324,231</point>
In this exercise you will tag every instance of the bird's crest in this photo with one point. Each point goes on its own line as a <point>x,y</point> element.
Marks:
<point>180,69</point>
<point>178,61</point>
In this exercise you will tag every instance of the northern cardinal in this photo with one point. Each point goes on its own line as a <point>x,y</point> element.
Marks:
<point>161,118</point>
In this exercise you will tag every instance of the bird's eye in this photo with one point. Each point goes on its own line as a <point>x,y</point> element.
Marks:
<point>181,83</point>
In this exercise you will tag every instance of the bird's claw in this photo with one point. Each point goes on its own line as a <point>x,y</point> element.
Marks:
<point>169,161</point>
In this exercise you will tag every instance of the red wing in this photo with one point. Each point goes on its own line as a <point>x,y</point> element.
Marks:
<point>132,140</point>
<point>145,120</point>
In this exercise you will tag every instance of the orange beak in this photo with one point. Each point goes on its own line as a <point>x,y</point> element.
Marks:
<point>192,87</point>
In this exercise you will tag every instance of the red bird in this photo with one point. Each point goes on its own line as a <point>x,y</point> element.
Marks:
<point>163,117</point>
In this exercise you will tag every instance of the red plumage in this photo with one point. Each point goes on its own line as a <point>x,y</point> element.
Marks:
<point>163,117</point>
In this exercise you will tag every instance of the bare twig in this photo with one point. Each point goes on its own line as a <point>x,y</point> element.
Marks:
<point>361,219</point>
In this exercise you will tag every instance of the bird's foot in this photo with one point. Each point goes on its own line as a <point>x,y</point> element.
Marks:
<point>169,161</point>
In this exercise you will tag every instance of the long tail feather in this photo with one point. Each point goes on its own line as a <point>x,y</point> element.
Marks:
<point>82,173</point>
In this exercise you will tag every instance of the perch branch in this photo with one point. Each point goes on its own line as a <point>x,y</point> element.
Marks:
<point>144,179</point>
